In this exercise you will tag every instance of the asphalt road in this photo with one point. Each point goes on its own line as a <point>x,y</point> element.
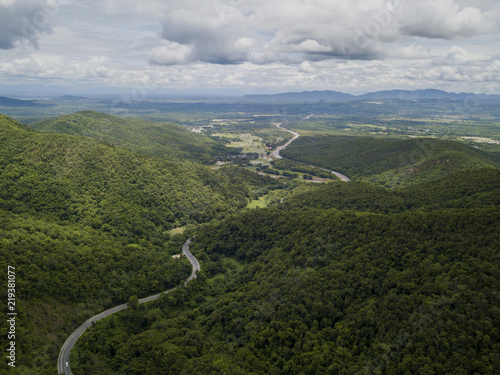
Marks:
<point>70,342</point>
<point>341,176</point>
<point>276,153</point>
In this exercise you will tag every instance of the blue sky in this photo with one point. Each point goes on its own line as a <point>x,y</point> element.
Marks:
<point>251,46</point>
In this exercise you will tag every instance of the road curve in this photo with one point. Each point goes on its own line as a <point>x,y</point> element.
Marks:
<point>70,342</point>
<point>341,176</point>
<point>276,153</point>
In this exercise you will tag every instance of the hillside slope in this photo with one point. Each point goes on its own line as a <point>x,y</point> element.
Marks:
<point>86,226</point>
<point>325,290</point>
<point>389,162</point>
<point>161,139</point>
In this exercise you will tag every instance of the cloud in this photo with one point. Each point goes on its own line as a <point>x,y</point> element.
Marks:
<point>353,45</point>
<point>24,21</point>
<point>457,55</point>
<point>171,53</point>
<point>212,33</point>
<point>295,31</point>
<point>37,66</point>
<point>444,19</point>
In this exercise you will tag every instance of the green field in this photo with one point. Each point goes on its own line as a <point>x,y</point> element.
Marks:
<point>247,143</point>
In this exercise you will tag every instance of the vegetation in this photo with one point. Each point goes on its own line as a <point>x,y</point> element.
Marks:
<point>162,139</point>
<point>395,272</point>
<point>405,285</point>
<point>294,166</point>
<point>389,162</point>
<point>86,225</point>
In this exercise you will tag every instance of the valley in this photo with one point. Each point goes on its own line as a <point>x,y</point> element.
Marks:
<point>387,264</point>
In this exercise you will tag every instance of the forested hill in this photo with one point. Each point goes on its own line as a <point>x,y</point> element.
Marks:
<point>161,139</point>
<point>86,226</point>
<point>82,180</point>
<point>477,188</point>
<point>389,162</point>
<point>371,282</point>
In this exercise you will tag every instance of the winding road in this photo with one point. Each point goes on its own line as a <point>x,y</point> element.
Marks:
<point>341,176</point>
<point>63,360</point>
<point>63,366</point>
<point>276,153</point>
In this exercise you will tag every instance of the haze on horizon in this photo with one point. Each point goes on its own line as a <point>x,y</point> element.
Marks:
<point>254,46</point>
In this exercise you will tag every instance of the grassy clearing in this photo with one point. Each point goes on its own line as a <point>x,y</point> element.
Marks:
<point>261,203</point>
<point>247,142</point>
<point>178,230</point>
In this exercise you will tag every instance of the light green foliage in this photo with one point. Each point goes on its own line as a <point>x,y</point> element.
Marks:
<point>293,166</point>
<point>162,139</point>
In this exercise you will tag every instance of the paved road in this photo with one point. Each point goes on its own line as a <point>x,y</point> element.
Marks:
<point>338,174</point>
<point>70,342</point>
<point>276,153</point>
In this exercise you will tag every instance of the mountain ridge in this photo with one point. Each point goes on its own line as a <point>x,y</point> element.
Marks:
<point>11,102</point>
<point>335,96</point>
<point>165,140</point>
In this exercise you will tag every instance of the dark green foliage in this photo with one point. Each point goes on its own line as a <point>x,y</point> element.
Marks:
<point>389,162</point>
<point>343,278</point>
<point>466,189</point>
<point>67,272</point>
<point>86,227</point>
<point>79,180</point>
<point>411,289</point>
<point>165,140</point>
<point>301,167</point>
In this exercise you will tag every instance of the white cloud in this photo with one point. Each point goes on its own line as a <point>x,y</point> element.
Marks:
<point>306,67</point>
<point>171,53</point>
<point>244,43</point>
<point>457,55</point>
<point>281,45</point>
<point>444,19</point>
<point>310,45</point>
<point>292,31</point>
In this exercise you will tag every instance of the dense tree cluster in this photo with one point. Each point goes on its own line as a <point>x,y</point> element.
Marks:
<point>338,278</point>
<point>301,167</point>
<point>161,139</point>
<point>86,226</point>
<point>80,180</point>
<point>391,287</point>
<point>465,189</point>
<point>389,162</point>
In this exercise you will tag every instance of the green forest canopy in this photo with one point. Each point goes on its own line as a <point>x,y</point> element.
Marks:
<point>86,226</point>
<point>161,139</point>
<point>406,283</point>
<point>389,162</point>
<point>340,278</point>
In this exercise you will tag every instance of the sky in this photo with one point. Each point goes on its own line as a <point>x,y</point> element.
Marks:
<point>249,46</point>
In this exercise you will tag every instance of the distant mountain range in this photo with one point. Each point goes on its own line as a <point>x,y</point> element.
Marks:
<point>326,96</point>
<point>335,96</point>
<point>9,102</point>
<point>312,96</point>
